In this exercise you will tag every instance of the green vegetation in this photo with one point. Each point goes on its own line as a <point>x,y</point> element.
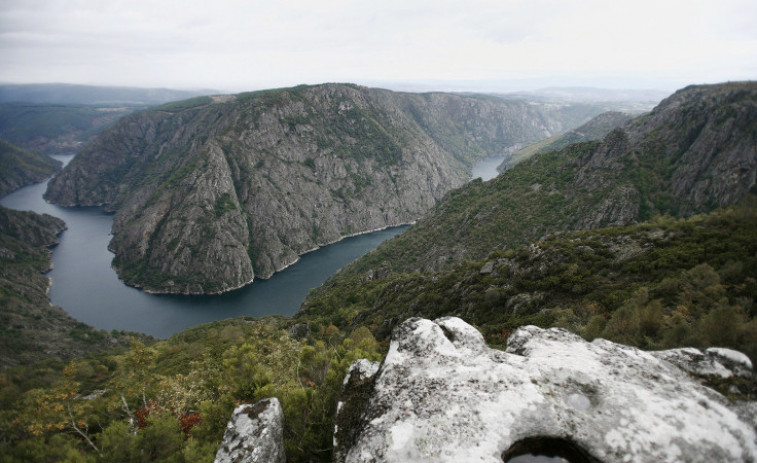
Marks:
<point>655,165</point>
<point>19,167</point>
<point>55,128</point>
<point>170,401</point>
<point>595,129</point>
<point>224,204</point>
<point>183,105</point>
<point>660,284</point>
<point>664,283</point>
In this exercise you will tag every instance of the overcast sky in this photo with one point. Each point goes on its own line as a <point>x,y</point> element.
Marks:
<point>450,44</point>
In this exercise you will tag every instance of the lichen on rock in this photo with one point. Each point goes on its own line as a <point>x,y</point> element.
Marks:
<point>442,395</point>
<point>255,434</point>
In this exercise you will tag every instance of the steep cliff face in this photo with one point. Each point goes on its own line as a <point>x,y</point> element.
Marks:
<point>210,193</point>
<point>19,167</point>
<point>696,151</point>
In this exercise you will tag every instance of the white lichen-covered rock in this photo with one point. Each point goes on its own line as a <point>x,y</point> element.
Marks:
<point>715,361</point>
<point>358,384</point>
<point>255,434</point>
<point>442,395</point>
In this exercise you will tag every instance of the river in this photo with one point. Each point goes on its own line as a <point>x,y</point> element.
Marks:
<point>486,168</point>
<point>85,285</point>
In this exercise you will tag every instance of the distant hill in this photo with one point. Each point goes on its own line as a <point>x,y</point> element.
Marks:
<point>625,100</point>
<point>56,128</point>
<point>595,129</point>
<point>93,95</point>
<point>19,167</point>
<point>212,191</point>
<point>62,118</point>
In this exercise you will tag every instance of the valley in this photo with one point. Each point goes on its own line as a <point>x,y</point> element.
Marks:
<point>210,194</point>
<point>644,236</point>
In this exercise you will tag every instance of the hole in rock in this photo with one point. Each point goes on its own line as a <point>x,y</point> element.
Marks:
<point>541,449</point>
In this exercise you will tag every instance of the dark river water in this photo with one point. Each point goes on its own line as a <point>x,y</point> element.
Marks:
<point>85,285</point>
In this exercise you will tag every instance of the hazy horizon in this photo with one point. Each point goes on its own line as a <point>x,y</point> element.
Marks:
<point>453,45</point>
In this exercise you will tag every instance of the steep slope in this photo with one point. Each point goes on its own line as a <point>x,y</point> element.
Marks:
<point>19,167</point>
<point>696,151</point>
<point>595,129</point>
<point>31,328</point>
<point>659,284</point>
<point>209,193</point>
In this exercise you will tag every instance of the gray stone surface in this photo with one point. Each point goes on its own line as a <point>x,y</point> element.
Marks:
<point>442,395</point>
<point>255,434</point>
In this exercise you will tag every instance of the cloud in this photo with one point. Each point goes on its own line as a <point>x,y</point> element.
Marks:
<point>253,44</point>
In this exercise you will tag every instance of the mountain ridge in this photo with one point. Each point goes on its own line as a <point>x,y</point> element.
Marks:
<point>253,180</point>
<point>694,152</point>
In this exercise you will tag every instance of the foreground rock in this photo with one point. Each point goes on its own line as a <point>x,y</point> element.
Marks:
<point>254,434</point>
<point>443,395</point>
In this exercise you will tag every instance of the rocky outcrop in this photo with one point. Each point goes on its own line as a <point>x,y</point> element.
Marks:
<point>31,228</point>
<point>209,194</point>
<point>255,434</point>
<point>442,395</point>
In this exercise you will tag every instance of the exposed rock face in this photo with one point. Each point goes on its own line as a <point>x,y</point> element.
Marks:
<point>694,152</point>
<point>34,229</point>
<point>209,195</point>
<point>358,385</point>
<point>255,434</point>
<point>442,395</point>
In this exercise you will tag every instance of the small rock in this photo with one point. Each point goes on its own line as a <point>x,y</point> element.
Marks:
<point>7,254</point>
<point>299,331</point>
<point>255,434</point>
<point>586,249</point>
<point>487,268</point>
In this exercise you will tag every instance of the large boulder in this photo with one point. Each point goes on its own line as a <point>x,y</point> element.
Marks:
<point>255,434</point>
<point>442,395</point>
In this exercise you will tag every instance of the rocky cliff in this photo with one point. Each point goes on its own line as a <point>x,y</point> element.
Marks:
<point>442,395</point>
<point>694,152</point>
<point>210,193</point>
